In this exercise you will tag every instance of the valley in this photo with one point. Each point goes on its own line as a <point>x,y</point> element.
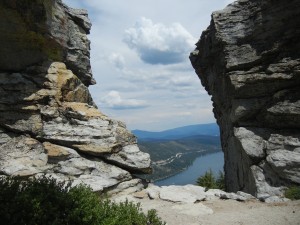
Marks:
<point>172,151</point>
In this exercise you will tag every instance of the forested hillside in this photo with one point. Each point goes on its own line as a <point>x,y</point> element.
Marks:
<point>172,156</point>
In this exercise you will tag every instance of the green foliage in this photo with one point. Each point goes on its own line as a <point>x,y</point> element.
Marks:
<point>126,213</point>
<point>42,201</point>
<point>209,181</point>
<point>47,201</point>
<point>293,193</point>
<point>220,182</point>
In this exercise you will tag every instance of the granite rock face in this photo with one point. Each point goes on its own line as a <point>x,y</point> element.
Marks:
<point>248,59</point>
<point>34,31</point>
<point>49,123</point>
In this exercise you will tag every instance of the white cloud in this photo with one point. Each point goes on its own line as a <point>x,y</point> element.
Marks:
<point>182,81</point>
<point>159,44</point>
<point>114,101</point>
<point>117,60</point>
<point>165,88</point>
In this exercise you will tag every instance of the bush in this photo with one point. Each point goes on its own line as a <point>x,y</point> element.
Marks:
<point>220,182</point>
<point>47,201</point>
<point>293,193</point>
<point>209,181</point>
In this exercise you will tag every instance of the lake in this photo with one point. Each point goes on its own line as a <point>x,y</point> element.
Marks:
<point>214,161</point>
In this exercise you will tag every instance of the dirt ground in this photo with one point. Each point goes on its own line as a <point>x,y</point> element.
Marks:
<point>224,212</point>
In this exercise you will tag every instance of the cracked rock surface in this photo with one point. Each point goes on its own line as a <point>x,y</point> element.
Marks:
<point>248,60</point>
<point>49,123</point>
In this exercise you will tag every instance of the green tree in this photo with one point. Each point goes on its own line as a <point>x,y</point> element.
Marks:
<point>209,181</point>
<point>220,182</point>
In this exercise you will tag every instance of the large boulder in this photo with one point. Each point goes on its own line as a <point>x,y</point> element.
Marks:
<point>49,123</point>
<point>248,59</point>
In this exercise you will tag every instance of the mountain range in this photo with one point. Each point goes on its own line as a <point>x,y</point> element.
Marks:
<point>210,129</point>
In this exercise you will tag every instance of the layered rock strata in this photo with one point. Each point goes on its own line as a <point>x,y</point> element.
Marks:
<point>49,123</point>
<point>248,59</point>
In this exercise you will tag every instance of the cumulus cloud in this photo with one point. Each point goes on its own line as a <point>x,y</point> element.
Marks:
<point>117,60</point>
<point>159,44</point>
<point>114,101</point>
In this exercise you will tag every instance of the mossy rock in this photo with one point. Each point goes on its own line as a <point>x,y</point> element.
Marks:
<point>24,34</point>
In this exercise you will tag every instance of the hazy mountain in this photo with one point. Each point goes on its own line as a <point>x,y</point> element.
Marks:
<point>211,129</point>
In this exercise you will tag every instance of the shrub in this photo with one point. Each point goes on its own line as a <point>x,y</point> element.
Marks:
<point>220,182</point>
<point>209,181</point>
<point>293,193</point>
<point>47,201</point>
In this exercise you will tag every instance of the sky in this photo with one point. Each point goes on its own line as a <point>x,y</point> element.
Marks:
<point>140,60</point>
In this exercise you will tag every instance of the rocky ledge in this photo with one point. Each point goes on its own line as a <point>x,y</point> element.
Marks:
<point>248,59</point>
<point>191,205</point>
<point>49,123</point>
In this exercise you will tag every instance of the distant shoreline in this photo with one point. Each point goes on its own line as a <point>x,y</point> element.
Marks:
<point>182,170</point>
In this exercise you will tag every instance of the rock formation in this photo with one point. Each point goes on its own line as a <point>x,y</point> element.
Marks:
<point>49,123</point>
<point>248,59</point>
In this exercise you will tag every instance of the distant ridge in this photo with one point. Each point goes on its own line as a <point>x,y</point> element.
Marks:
<point>210,129</point>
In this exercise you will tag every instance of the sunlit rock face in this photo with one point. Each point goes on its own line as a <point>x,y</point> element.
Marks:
<point>49,123</point>
<point>248,59</point>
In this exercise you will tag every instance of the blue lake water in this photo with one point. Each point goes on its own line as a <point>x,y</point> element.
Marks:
<point>214,161</point>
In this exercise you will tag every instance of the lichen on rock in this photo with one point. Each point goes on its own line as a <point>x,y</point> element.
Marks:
<point>49,123</point>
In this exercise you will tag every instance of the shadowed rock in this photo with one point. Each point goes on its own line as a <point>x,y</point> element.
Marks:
<point>248,59</point>
<point>36,30</point>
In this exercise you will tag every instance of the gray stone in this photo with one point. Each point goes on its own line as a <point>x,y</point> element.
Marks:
<point>45,30</point>
<point>57,153</point>
<point>96,174</point>
<point>267,184</point>
<point>233,196</point>
<point>252,144</point>
<point>132,158</point>
<point>97,183</point>
<point>282,141</point>
<point>127,187</point>
<point>80,16</point>
<point>186,194</point>
<point>212,194</point>
<point>286,164</point>
<point>69,118</point>
<point>274,199</point>
<point>153,191</point>
<point>22,156</point>
<point>245,195</point>
<point>250,65</point>
<point>140,194</point>
<point>49,123</point>
<point>5,136</point>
